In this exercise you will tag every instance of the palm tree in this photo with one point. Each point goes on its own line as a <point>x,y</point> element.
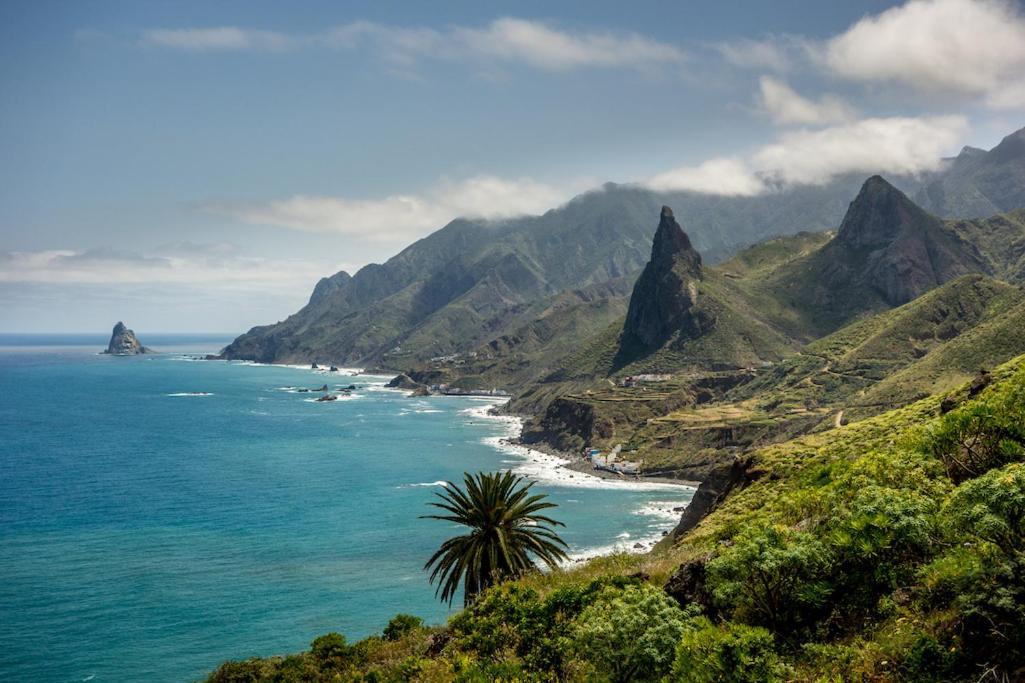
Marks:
<point>507,532</point>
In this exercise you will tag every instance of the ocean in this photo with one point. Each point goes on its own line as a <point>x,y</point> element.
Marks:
<point>161,514</point>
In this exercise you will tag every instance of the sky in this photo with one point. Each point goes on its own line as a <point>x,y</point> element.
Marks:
<point>198,166</point>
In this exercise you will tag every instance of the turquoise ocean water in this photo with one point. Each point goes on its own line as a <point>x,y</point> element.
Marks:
<point>148,533</point>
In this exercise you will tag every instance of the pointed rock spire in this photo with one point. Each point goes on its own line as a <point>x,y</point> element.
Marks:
<point>667,288</point>
<point>672,247</point>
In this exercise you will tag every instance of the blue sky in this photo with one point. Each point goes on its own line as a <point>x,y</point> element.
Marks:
<point>198,166</point>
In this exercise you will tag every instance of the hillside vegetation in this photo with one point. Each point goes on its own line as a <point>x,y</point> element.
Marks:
<point>890,549</point>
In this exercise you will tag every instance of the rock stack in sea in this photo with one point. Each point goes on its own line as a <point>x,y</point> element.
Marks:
<point>123,342</point>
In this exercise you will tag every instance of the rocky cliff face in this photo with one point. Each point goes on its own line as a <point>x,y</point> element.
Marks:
<point>667,288</point>
<point>123,342</point>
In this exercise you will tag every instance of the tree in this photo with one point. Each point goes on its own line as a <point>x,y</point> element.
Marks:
<point>507,534</point>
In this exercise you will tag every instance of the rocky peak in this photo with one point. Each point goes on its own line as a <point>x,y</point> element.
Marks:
<point>329,285</point>
<point>671,247</point>
<point>889,245</point>
<point>878,215</point>
<point>667,288</point>
<point>969,152</point>
<point>123,342</point>
<point>1010,148</point>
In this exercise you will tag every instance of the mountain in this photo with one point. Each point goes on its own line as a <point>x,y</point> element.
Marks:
<point>787,335</point>
<point>977,183</point>
<point>467,283</point>
<point>887,251</point>
<point>475,282</point>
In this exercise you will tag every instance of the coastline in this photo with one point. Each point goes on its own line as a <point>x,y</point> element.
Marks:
<point>542,462</point>
<point>550,467</point>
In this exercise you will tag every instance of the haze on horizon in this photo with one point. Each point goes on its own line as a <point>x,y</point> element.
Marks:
<point>198,167</point>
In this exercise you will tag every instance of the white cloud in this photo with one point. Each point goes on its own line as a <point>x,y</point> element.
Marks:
<point>785,106</point>
<point>534,43</point>
<point>194,265</point>
<point>721,176</point>
<point>216,38</point>
<point>890,145</point>
<point>507,39</point>
<point>959,47</point>
<point>774,53</point>
<point>810,157</point>
<point>400,217</point>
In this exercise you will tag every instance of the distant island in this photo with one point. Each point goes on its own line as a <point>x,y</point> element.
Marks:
<point>123,342</point>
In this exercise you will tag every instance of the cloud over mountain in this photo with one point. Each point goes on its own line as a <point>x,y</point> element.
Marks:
<point>897,145</point>
<point>398,218</point>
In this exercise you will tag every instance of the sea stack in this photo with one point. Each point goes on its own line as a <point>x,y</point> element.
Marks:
<point>123,342</point>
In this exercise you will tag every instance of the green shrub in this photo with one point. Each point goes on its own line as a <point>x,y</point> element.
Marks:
<point>248,671</point>
<point>330,651</point>
<point>510,620</point>
<point>981,435</point>
<point>630,634</point>
<point>732,653</point>
<point>928,661</point>
<point>772,576</point>
<point>991,509</point>
<point>400,625</point>
<point>296,669</point>
<point>983,580</point>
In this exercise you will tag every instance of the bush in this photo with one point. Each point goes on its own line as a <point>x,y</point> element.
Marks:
<point>876,540</point>
<point>400,625</point>
<point>772,576</point>
<point>248,671</point>
<point>630,634</point>
<point>296,669</point>
<point>983,580</point>
<point>991,509</point>
<point>512,620</point>
<point>330,651</point>
<point>733,653</point>
<point>980,436</point>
